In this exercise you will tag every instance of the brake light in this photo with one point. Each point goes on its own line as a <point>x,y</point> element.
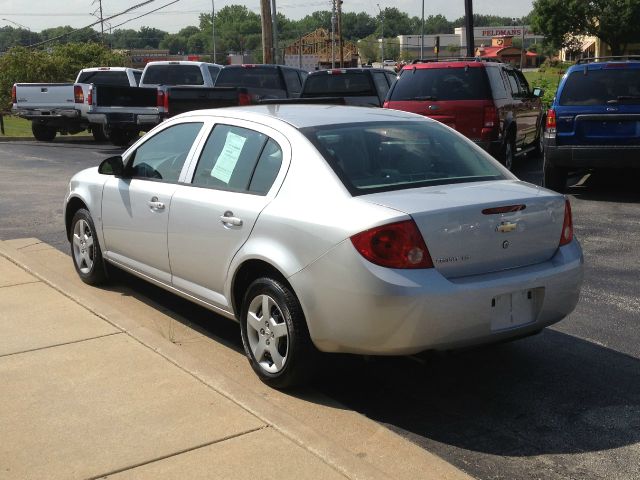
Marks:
<point>244,98</point>
<point>490,119</point>
<point>160,99</point>
<point>567,225</point>
<point>14,95</point>
<point>336,71</point>
<point>396,245</point>
<point>78,94</point>
<point>551,120</point>
<point>385,104</point>
<point>90,96</point>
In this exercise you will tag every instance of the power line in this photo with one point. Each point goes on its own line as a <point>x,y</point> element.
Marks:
<point>142,4</point>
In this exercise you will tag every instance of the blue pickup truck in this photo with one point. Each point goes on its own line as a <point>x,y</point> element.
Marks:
<point>594,120</point>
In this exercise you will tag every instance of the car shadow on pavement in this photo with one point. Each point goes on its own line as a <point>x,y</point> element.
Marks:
<point>548,394</point>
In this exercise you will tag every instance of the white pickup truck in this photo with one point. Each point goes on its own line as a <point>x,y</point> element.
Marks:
<point>62,107</point>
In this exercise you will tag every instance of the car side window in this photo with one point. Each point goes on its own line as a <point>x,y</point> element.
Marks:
<point>292,80</point>
<point>382,85</point>
<point>163,155</point>
<point>229,158</point>
<point>524,85</point>
<point>391,78</point>
<point>213,71</point>
<point>513,83</point>
<point>267,169</point>
<point>498,89</point>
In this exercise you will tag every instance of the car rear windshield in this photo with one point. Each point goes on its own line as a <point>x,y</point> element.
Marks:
<point>250,77</point>
<point>105,77</point>
<point>463,83</point>
<point>380,156</point>
<point>599,87</point>
<point>331,84</point>
<point>173,75</point>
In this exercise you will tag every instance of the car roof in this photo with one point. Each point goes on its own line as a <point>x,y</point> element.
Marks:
<point>180,62</point>
<point>348,70</point>
<point>454,63</point>
<point>107,69</point>
<point>600,65</point>
<point>309,115</point>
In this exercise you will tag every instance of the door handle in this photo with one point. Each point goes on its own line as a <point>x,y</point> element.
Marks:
<point>154,204</point>
<point>229,219</point>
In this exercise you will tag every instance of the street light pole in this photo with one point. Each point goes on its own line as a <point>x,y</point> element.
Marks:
<point>274,18</point>
<point>20,26</point>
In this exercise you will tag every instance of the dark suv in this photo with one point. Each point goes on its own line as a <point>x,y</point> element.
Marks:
<point>594,119</point>
<point>489,102</point>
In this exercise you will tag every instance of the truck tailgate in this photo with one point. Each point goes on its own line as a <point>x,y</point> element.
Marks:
<point>185,99</point>
<point>44,95</point>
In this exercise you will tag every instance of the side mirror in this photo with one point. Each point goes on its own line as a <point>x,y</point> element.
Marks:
<point>538,92</point>
<point>112,166</point>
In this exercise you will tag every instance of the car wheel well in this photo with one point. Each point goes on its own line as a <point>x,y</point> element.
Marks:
<point>73,206</point>
<point>246,274</point>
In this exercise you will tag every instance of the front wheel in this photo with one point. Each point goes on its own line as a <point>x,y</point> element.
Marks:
<point>85,249</point>
<point>539,143</point>
<point>554,177</point>
<point>43,133</point>
<point>275,335</point>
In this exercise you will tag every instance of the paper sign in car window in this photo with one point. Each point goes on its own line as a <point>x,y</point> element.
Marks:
<point>228,158</point>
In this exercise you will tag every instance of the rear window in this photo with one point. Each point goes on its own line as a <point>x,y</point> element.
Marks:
<point>599,87</point>
<point>173,75</point>
<point>105,77</point>
<point>380,156</point>
<point>462,83</point>
<point>250,77</point>
<point>354,83</point>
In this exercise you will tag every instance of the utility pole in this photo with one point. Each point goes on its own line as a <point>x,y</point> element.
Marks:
<point>275,31</point>
<point>99,11</point>
<point>333,33</point>
<point>213,30</point>
<point>422,34</point>
<point>468,14</point>
<point>382,34</point>
<point>340,33</point>
<point>267,32</point>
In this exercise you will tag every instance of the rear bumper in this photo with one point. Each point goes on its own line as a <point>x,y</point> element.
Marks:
<point>125,120</point>
<point>46,114</point>
<point>376,310</point>
<point>591,156</point>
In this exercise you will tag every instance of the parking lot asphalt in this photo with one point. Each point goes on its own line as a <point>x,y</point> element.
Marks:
<point>564,404</point>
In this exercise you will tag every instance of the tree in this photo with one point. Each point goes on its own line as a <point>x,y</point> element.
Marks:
<point>615,22</point>
<point>395,23</point>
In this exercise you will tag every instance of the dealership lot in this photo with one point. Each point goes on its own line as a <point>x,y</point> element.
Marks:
<point>563,404</point>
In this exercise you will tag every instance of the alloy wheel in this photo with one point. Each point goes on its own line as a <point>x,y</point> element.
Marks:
<point>83,249</point>
<point>267,334</point>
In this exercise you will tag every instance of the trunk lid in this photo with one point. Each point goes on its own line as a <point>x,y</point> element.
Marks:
<point>467,233</point>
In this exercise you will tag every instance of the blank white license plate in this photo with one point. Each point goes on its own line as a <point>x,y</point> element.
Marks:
<point>515,309</point>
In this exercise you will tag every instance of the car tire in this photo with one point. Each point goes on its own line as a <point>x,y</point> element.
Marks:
<point>43,133</point>
<point>99,132</point>
<point>508,152</point>
<point>539,143</point>
<point>279,347</point>
<point>121,137</point>
<point>554,177</point>
<point>85,249</point>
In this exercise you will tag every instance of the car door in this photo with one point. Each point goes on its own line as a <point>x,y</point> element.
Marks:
<point>532,108</point>
<point>521,107</point>
<point>236,175</point>
<point>135,207</point>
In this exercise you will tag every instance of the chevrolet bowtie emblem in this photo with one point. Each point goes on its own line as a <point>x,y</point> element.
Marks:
<point>506,227</point>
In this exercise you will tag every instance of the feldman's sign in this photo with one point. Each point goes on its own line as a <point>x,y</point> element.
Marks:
<point>499,31</point>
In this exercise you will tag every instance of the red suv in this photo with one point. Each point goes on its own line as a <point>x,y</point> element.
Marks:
<point>487,101</point>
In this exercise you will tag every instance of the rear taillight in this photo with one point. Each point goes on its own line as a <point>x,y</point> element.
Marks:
<point>385,104</point>
<point>90,96</point>
<point>78,94</point>
<point>396,245</point>
<point>551,121</point>
<point>490,118</point>
<point>162,100</point>
<point>14,96</point>
<point>244,98</point>
<point>567,225</point>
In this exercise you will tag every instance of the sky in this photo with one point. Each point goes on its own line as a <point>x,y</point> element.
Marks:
<point>40,14</point>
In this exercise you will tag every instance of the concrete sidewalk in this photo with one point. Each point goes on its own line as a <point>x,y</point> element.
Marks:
<point>89,391</point>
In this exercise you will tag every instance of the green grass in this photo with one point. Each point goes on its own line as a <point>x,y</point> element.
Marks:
<point>16,127</point>
<point>547,78</point>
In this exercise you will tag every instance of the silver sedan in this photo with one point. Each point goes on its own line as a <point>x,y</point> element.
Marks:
<point>330,229</point>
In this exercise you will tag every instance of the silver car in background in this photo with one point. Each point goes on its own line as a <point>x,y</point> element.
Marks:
<point>330,229</point>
